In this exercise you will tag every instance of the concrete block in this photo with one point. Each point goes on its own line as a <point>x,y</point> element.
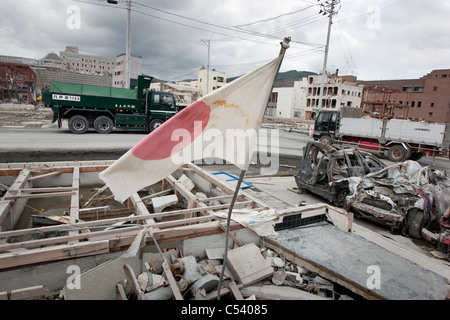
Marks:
<point>248,264</point>
<point>160,203</point>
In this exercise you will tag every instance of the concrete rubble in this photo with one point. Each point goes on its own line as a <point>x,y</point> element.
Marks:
<point>168,243</point>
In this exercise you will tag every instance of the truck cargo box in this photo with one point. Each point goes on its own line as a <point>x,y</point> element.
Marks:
<point>361,127</point>
<point>415,132</point>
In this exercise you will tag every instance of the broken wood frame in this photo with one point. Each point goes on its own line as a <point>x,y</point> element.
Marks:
<point>198,219</point>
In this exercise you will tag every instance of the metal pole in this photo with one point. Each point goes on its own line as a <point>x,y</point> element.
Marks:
<point>230,210</point>
<point>128,48</point>
<point>208,44</point>
<point>325,59</point>
<point>284,47</point>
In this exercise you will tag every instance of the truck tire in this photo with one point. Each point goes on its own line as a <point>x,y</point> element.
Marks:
<point>154,124</point>
<point>103,124</point>
<point>78,124</point>
<point>414,221</point>
<point>326,139</point>
<point>397,153</point>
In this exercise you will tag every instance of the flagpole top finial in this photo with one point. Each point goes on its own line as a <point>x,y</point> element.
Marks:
<point>285,43</point>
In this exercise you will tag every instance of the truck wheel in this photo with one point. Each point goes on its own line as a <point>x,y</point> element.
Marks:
<point>326,139</point>
<point>397,153</point>
<point>155,124</point>
<point>78,124</point>
<point>103,125</point>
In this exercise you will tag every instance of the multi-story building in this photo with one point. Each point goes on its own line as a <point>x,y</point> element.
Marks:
<point>184,93</point>
<point>426,98</point>
<point>83,63</point>
<point>119,70</point>
<point>216,80</point>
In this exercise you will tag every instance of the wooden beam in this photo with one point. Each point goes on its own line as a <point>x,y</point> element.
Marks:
<point>235,291</point>
<point>20,182</point>
<point>26,257</point>
<point>75,200</point>
<point>141,209</point>
<point>172,282</point>
<point>46,175</point>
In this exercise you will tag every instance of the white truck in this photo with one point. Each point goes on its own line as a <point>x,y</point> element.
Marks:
<point>402,139</point>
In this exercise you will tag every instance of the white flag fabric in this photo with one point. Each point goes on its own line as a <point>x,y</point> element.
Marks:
<point>223,124</point>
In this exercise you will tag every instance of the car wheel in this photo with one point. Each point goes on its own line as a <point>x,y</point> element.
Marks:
<point>103,125</point>
<point>414,221</point>
<point>397,153</point>
<point>78,124</point>
<point>341,198</point>
<point>325,139</point>
<point>155,124</point>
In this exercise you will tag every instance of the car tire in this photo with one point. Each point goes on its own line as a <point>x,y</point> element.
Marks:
<point>414,221</point>
<point>103,125</point>
<point>78,124</point>
<point>341,198</point>
<point>397,153</point>
<point>326,139</point>
<point>154,124</point>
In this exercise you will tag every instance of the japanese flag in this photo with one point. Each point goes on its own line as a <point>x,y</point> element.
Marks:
<point>223,124</point>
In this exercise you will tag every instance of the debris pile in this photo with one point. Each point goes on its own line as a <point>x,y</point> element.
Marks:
<point>252,273</point>
<point>406,197</point>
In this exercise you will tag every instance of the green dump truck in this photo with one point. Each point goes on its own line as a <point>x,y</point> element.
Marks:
<point>105,108</point>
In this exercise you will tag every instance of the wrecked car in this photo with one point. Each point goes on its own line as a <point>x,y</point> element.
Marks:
<point>327,169</point>
<point>404,196</point>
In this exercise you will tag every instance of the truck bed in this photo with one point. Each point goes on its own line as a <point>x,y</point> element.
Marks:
<point>88,90</point>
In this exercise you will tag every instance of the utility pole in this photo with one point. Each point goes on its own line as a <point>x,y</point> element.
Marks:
<point>327,8</point>
<point>128,43</point>
<point>128,49</point>
<point>208,44</point>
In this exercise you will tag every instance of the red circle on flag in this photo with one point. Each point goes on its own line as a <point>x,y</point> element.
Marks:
<point>161,143</point>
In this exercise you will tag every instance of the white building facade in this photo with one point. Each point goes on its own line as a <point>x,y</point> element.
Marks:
<point>216,80</point>
<point>119,70</point>
<point>339,91</point>
<point>84,63</point>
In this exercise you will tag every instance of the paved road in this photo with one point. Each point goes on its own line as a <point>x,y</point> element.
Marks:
<point>52,144</point>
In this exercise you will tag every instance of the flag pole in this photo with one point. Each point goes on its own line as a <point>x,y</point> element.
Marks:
<point>284,47</point>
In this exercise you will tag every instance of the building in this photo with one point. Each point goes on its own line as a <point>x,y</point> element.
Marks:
<point>83,63</point>
<point>17,83</point>
<point>302,100</point>
<point>119,70</point>
<point>184,94</point>
<point>216,80</point>
<point>286,102</point>
<point>426,98</point>
<point>339,91</point>
<point>52,60</point>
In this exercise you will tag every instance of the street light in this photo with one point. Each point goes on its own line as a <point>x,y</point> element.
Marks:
<point>128,45</point>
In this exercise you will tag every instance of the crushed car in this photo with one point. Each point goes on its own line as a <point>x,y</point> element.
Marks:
<point>405,197</point>
<point>327,170</point>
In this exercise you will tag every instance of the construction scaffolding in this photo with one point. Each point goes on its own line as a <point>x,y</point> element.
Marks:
<point>385,103</point>
<point>17,83</point>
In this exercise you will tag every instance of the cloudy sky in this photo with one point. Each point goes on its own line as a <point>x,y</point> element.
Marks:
<point>372,39</point>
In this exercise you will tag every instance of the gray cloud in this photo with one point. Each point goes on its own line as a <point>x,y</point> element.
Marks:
<point>377,39</point>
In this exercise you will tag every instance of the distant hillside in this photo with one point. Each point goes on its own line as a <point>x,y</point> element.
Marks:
<point>286,79</point>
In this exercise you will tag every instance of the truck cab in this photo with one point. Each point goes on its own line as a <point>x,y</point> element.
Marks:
<point>325,126</point>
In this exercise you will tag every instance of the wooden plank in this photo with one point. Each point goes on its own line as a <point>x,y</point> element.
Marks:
<point>43,190</point>
<point>141,209</point>
<point>27,293</point>
<point>172,282</point>
<point>235,291</point>
<point>16,259</point>
<point>46,175</point>
<point>19,183</point>
<point>235,239</point>
<point>75,200</point>
<point>40,195</point>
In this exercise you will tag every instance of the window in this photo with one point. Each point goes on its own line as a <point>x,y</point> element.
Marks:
<point>413,103</point>
<point>434,88</point>
<point>432,104</point>
<point>419,104</point>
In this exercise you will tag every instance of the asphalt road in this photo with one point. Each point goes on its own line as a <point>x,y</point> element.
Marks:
<point>52,144</point>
